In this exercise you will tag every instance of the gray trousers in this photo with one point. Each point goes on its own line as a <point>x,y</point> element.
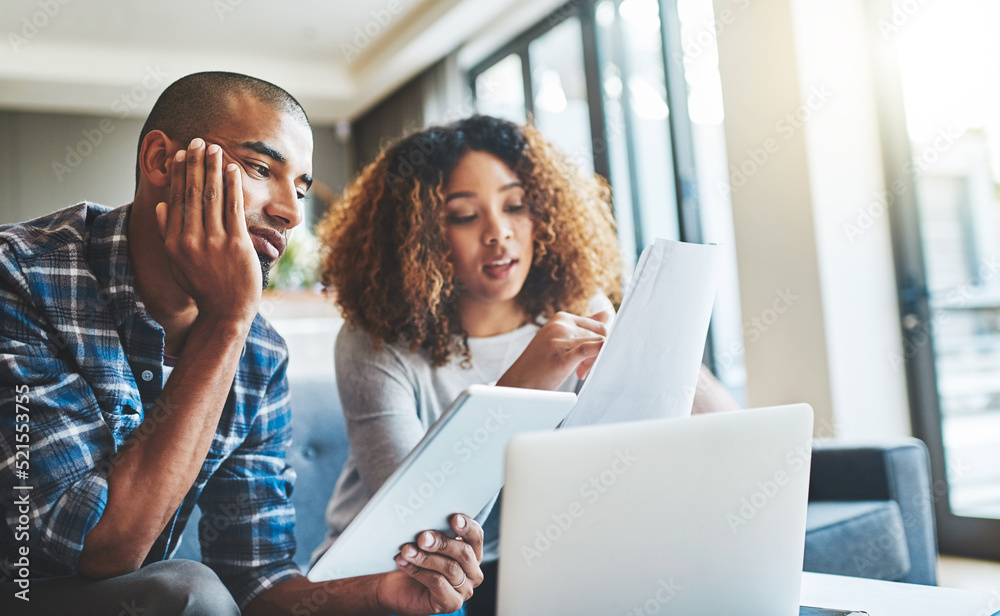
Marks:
<point>167,588</point>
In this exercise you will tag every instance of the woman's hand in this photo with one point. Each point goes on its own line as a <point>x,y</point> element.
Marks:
<point>565,344</point>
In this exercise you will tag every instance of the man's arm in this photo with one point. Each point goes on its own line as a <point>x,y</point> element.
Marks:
<point>437,575</point>
<point>213,259</point>
<point>42,402</point>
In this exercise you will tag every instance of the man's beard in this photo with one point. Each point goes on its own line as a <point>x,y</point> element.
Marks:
<point>265,269</point>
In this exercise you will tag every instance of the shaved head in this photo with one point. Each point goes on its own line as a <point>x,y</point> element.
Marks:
<point>193,105</point>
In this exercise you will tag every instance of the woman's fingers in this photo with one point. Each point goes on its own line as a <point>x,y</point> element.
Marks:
<point>584,368</point>
<point>603,316</point>
<point>591,324</point>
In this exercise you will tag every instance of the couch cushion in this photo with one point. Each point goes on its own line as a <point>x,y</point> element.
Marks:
<point>858,539</point>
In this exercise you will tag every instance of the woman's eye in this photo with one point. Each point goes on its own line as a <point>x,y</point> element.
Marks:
<point>459,220</point>
<point>518,207</point>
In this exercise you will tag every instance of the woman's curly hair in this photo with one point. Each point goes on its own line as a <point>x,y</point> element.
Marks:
<point>385,256</point>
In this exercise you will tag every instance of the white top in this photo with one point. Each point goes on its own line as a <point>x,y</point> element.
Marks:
<point>392,396</point>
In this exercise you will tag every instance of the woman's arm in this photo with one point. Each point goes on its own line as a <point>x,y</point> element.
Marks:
<point>379,396</point>
<point>712,396</point>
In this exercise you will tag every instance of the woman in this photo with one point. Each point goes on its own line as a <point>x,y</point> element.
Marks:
<point>463,254</point>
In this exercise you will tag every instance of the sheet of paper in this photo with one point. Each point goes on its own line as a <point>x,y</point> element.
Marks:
<point>648,367</point>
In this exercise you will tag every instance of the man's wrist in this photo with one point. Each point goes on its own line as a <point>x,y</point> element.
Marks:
<point>375,603</point>
<point>235,327</point>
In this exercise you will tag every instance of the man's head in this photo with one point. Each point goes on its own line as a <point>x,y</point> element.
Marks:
<point>259,127</point>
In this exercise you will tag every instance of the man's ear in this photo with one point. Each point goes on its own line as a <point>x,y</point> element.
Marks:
<point>155,158</point>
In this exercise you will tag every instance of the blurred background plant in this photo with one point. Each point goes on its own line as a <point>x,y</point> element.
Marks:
<point>298,268</point>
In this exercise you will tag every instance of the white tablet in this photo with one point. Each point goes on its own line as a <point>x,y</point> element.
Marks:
<point>456,468</point>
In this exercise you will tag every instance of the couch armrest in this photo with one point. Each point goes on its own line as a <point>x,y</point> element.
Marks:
<point>898,471</point>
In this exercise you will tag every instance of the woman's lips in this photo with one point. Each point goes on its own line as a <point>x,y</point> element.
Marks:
<point>267,242</point>
<point>500,268</point>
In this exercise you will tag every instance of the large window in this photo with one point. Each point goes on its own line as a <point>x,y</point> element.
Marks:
<point>613,85</point>
<point>944,174</point>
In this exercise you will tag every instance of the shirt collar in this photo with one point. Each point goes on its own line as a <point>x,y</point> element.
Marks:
<point>109,258</point>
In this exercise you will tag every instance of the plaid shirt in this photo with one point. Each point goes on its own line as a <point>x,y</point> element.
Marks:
<point>76,341</point>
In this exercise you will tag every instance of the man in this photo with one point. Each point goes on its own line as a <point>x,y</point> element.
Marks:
<point>137,379</point>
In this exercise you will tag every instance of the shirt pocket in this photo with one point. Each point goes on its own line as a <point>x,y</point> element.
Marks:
<point>124,417</point>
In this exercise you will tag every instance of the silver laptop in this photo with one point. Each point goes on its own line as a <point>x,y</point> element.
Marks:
<point>687,517</point>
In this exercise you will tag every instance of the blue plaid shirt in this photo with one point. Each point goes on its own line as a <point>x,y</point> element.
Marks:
<point>77,343</point>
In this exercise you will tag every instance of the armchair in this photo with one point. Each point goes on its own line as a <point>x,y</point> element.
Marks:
<point>871,512</point>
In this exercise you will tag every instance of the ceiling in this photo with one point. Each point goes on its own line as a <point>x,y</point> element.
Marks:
<point>113,57</point>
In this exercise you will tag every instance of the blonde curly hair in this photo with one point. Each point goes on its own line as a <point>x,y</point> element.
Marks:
<point>385,256</point>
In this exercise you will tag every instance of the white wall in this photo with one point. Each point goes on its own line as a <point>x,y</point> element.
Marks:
<point>856,269</point>
<point>803,145</point>
<point>786,349</point>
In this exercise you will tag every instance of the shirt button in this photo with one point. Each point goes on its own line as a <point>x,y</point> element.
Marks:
<point>147,375</point>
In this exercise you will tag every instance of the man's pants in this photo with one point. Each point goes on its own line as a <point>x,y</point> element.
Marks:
<point>167,588</point>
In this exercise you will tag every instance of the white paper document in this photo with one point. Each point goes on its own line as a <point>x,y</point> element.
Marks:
<point>456,468</point>
<point>649,365</point>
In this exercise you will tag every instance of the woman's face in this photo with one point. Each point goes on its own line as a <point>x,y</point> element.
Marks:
<point>489,230</point>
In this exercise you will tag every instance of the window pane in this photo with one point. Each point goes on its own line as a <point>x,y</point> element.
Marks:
<point>636,117</point>
<point>704,85</point>
<point>949,60</point>
<point>500,90</point>
<point>558,78</point>
<point>647,94</point>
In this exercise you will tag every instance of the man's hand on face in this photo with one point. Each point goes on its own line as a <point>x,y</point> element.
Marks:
<point>438,573</point>
<point>205,234</point>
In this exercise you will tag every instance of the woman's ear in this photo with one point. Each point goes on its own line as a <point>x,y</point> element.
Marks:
<point>155,156</point>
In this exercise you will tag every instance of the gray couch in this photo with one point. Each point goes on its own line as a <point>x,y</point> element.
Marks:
<point>870,511</point>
